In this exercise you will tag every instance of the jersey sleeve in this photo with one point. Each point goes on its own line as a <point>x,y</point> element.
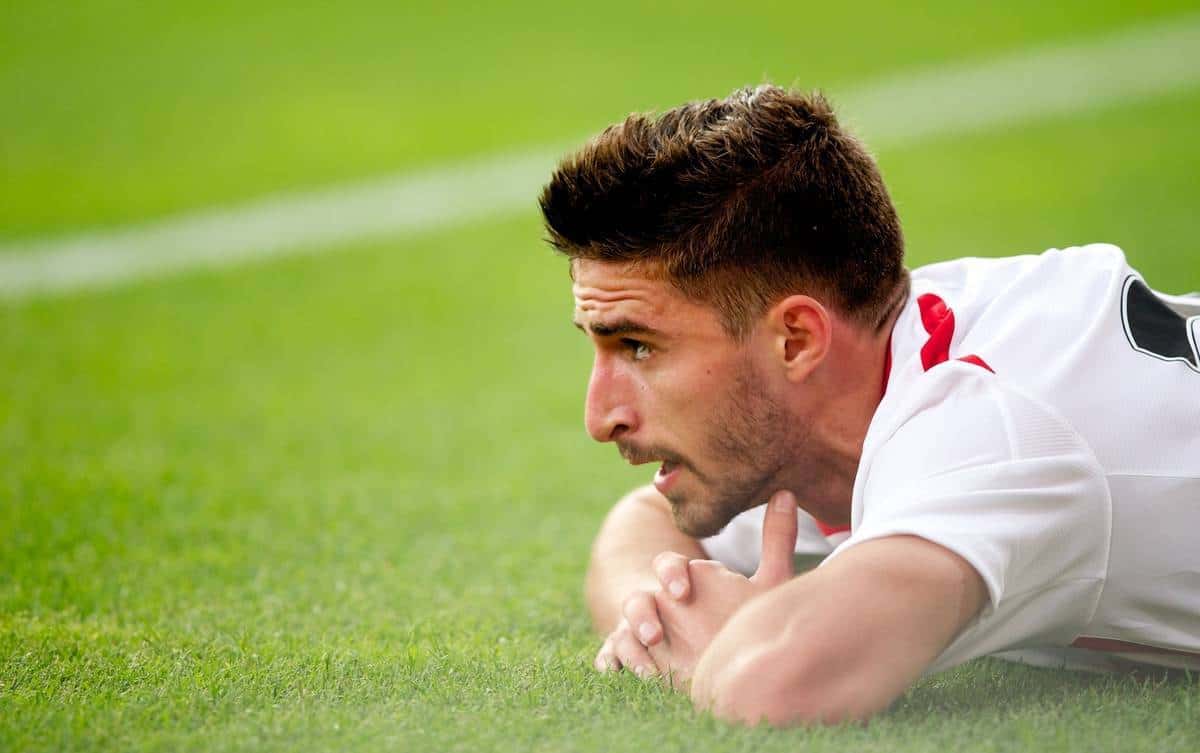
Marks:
<point>1004,483</point>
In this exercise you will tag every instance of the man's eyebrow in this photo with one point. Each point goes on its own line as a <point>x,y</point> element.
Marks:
<point>618,327</point>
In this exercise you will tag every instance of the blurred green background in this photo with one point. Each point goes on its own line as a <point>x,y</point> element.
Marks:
<point>344,500</point>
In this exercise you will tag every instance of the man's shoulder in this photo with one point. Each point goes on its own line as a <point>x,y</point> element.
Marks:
<point>1103,255</point>
<point>1024,323</point>
<point>960,415</point>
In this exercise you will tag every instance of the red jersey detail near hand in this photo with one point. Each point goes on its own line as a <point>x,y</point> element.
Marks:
<point>829,530</point>
<point>938,320</point>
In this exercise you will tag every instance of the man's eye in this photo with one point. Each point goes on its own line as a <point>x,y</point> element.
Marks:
<point>639,350</point>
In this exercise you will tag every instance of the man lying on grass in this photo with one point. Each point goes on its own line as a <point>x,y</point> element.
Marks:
<point>999,454</point>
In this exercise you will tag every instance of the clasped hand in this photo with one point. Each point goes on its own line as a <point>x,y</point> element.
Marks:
<point>666,630</point>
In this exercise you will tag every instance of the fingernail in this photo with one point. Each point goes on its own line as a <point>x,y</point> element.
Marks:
<point>642,672</point>
<point>676,588</point>
<point>646,631</point>
<point>783,501</point>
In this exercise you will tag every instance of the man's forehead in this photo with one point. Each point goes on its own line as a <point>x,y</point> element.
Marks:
<point>628,298</point>
<point>601,287</point>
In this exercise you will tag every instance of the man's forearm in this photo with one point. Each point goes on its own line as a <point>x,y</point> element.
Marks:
<point>841,642</point>
<point>780,659</point>
<point>639,527</point>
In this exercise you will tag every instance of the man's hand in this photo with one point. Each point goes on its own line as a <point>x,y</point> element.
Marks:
<point>626,645</point>
<point>716,593</point>
<point>668,628</point>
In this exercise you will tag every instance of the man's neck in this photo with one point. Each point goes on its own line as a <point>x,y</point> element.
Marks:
<point>851,389</point>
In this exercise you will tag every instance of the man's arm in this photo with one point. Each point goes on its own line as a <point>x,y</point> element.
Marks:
<point>638,528</point>
<point>841,642</point>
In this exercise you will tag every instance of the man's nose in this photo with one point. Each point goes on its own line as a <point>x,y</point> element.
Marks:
<point>609,411</point>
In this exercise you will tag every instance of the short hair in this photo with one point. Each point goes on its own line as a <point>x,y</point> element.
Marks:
<point>738,202</point>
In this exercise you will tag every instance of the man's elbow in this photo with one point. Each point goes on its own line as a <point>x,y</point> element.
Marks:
<point>762,685</point>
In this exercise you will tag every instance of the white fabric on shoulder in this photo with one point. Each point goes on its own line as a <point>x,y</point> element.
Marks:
<point>969,463</point>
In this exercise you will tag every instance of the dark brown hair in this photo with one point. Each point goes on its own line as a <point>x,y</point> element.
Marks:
<point>739,202</point>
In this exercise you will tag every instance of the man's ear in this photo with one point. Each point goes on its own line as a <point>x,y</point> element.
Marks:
<point>802,331</point>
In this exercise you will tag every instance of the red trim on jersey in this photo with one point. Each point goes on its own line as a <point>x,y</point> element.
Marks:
<point>827,530</point>
<point>938,320</point>
<point>1112,646</point>
<point>978,362</point>
<point>887,366</point>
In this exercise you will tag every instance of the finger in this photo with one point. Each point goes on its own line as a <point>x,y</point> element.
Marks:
<point>674,613</point>
<point>606,658</point>
<point>778,541</point>
<point>641,612</point>
<point>660,656</point>
<point>632,654</point>
<point>671,569</point>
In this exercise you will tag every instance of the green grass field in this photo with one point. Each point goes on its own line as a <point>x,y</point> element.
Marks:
<point>344,501</point>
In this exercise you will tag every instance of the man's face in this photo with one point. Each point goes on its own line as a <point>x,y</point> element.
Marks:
<point>669,385</point>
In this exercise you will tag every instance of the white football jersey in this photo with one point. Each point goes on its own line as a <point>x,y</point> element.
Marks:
<point>1041,420</point>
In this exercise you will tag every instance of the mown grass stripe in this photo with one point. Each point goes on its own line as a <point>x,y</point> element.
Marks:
<point>1140,63</point>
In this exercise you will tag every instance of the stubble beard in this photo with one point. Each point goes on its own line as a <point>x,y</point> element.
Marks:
<point>754,439</point>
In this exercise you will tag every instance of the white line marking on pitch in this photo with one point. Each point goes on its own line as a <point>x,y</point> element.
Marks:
<point>1019,87</point>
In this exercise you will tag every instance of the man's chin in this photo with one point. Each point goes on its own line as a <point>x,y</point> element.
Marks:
<point>698,527</point>
<point>702,515</point>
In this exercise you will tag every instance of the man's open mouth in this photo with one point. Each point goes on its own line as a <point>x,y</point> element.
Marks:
<point>665,478</point>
